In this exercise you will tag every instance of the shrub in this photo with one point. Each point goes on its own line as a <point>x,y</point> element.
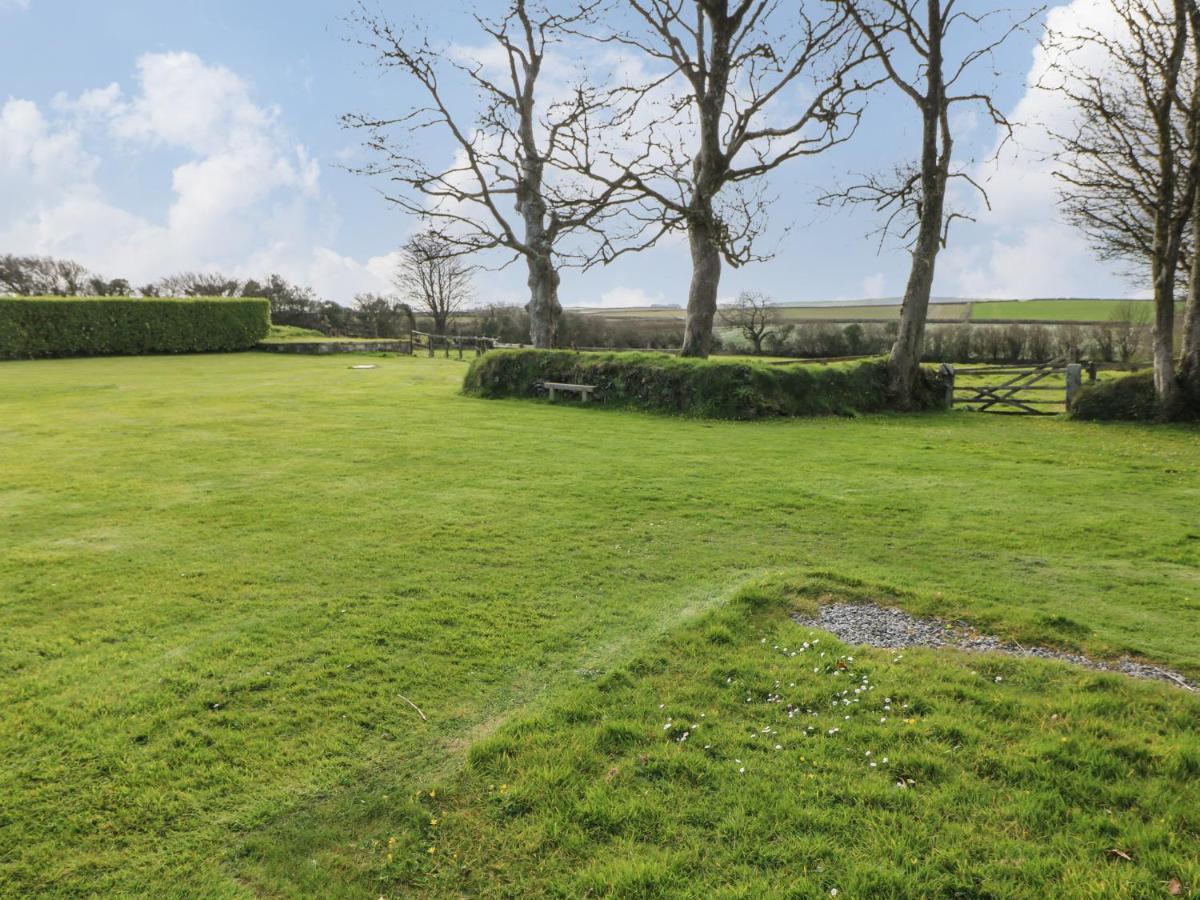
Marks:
<point>1130,399</point>
<point>696,387</point>
<point>32,327</point>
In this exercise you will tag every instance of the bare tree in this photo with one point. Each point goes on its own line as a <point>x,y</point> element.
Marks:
<point>754,315</point>
<point>194,284</point>
<point>744,86</point>
<point>506,149</point>
<point>1129,323</point>
<point>930,50</point>
<point>1129,170</point>
<point>1189,360</point>
<point>434,278</point>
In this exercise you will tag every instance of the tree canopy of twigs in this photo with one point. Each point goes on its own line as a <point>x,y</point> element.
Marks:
<point>1129,168</point>
<point>504,190</point>
<point>931,51</point>
<point>736,89</point>
<point>754,315</point>
<point>434,278</point>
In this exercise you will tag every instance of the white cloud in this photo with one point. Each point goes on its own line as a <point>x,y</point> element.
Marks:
<point>13,5</point>
<point>245,200</point>
<point>33,148</point>
<point>873,286</point>
<point>1025,249</point>
<point>619,297</point>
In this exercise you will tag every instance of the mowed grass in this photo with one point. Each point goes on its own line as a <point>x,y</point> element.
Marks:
<point>219,574</point>
<point>748,756</point>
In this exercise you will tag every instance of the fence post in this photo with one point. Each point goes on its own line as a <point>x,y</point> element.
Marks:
<point>458,343</point>
<point>1091,370</point>
<point>446,346</point>
<point>948,379</point>
<point>1074,381</point>
<point>429,344</point>
<point>412,343</point>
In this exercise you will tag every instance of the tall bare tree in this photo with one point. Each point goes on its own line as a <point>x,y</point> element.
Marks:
<point>1130,168</point>
<point>741,87</point>
<point>505,147</point>
<point>434,278</point>
<point>754,315</point>
<point>930,50</point>
<point>1189,359</point>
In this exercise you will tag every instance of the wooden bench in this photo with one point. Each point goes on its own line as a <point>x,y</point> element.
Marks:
<point>585,391</point>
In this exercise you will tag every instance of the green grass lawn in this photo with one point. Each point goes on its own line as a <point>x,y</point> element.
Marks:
<point>747,756</point>
<point>220,574</point>
<point>291,334</point>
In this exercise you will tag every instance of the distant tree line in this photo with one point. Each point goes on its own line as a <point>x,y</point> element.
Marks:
<point>755,324</point>
<point>509,324</point>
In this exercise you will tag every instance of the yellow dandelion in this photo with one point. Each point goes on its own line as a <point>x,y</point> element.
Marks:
<point>433,849</point>
<point>433,821</point>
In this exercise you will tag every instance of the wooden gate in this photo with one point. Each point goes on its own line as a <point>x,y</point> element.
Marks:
<point>1043,390</point>
<point>446,342</point>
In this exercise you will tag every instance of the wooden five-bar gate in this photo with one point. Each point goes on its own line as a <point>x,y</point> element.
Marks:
<point>1016,390</point>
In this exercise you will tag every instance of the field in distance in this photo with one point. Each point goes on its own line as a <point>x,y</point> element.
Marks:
<point>984,311</point>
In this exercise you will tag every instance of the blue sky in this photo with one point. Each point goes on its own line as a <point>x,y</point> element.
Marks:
<point>143,138</point>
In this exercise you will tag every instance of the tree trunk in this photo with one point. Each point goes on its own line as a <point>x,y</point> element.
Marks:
<point>1168,227</point>
<point>544,308</point>
<point>702,292</point>
<point>905,361</point>
<point>1164,341</point>
<point>1189,360</point>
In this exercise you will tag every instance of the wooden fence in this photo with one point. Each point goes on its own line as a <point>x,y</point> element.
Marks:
<point>431,343</point>
<point>1016,390</point>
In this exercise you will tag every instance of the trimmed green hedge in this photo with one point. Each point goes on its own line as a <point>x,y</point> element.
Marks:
<point>1130,398</point>
<point>696,387</point>
<point>33,327</point>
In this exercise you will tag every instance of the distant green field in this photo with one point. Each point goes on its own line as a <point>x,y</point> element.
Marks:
<point>839,313</point>
<point>1046,310</point>
<point>979,311</point>
<point>953,311</point>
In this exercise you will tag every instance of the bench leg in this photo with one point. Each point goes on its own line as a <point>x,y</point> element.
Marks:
<point>587,395</point>
<point>552,394</point>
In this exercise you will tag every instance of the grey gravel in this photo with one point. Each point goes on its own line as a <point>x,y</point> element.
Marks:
<point>878,626</point>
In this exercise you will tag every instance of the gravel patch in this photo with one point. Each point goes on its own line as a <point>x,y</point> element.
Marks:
<point>877,626</point>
